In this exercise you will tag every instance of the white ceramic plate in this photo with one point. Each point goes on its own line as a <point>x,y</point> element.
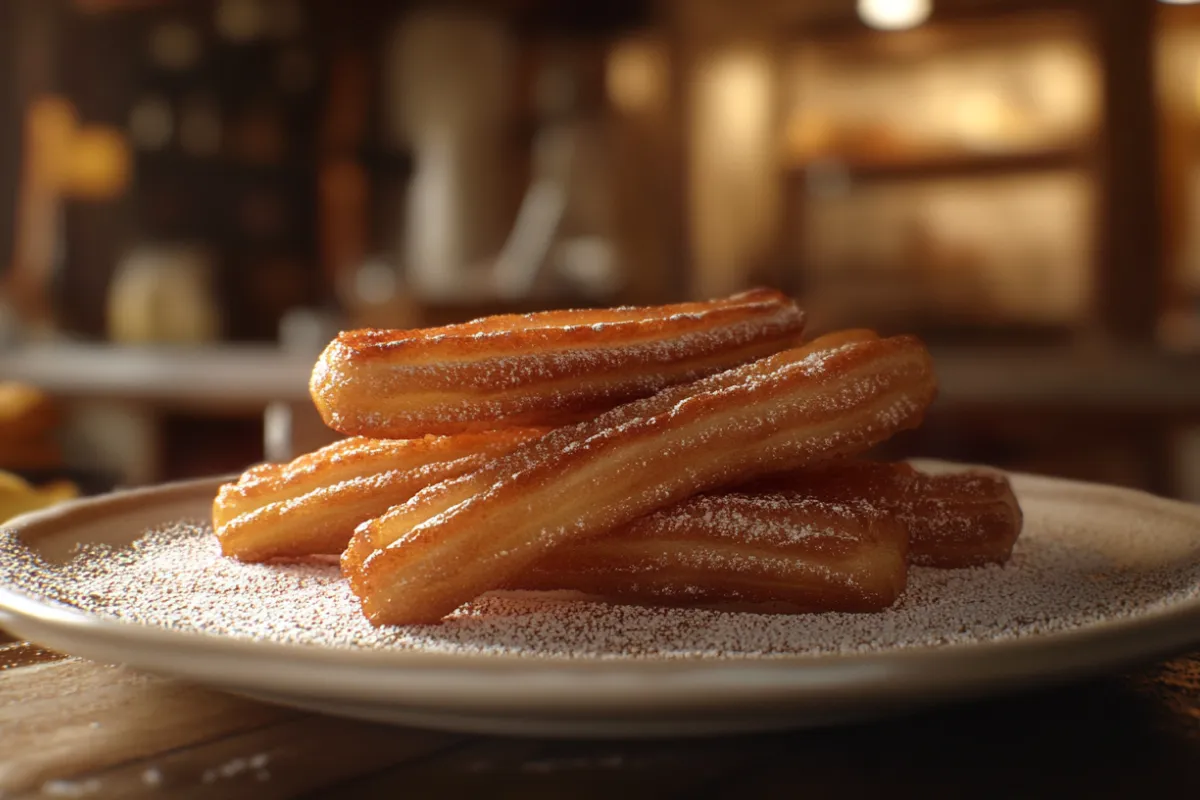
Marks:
<point>647,696</point>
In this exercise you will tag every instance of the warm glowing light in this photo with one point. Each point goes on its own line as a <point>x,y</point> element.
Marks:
<point>894,15</point>
<point>636,75</point>
<point>86,161</point>
<point>1180,2</point>
<point>737,89</point>
<point>732,179</point>
<point>98,165</point>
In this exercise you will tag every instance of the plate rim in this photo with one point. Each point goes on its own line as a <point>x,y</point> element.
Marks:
<point>547,682</point>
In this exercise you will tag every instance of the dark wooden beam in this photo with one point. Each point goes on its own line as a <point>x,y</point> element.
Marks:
<point>10,131</point>
<point>679,236</point>
<point>1129,273</point>
<point>31,70</point>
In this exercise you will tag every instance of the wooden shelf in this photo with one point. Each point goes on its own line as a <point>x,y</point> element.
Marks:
<point>954,165</point>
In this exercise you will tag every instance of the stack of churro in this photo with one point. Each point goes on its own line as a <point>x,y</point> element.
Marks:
<point>699,453</point>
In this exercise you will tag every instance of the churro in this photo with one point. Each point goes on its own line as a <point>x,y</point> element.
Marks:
<point>955,518</point>
<point>311,505</point>
<point>549,368</point>
<point>780,551</point>
<point>458,539</point>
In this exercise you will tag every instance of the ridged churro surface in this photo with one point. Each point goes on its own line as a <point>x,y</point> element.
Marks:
<point>771,548</point>
<point>548,368</point>
<point>311,505</point>
<point>458,539</point>
<point>955,519</point>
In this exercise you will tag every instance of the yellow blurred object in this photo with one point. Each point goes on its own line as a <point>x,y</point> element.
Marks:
<point>98,165</point>
<point>17,496</point>
<point>28,420</point>
<point>10,483</point>
<point>18,401</point>
<point>87,161</point>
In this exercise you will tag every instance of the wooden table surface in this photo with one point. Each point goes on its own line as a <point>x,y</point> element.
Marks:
<point>73,728</point>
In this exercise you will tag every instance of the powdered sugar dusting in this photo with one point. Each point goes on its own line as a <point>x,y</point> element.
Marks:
<point>1081,561</point>
<point>541,364</point>
<point>769,518</point>
<point>760,417</point>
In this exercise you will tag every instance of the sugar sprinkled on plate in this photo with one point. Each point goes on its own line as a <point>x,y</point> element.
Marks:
<point>1081,561</point>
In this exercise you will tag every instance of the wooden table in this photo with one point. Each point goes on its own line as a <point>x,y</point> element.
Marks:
<point>72,728</point>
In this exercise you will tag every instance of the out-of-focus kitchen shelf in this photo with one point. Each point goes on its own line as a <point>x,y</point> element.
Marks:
<point>950,165</point>
<point>231,379</point>
<point>115,398</point>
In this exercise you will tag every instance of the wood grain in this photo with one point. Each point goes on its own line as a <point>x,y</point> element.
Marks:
<point>67,718</point>
<point>75,728</point>
<point>23,654</point>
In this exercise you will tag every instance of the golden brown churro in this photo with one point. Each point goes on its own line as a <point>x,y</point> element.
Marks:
<point>455,540</point>
<point>549,368</point>
<point>836,339</point>
<point>741,547</point>
<point>311,505</point>
<point>954,518</point>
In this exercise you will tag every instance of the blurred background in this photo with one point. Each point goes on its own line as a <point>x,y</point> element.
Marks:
<point>196,195</point>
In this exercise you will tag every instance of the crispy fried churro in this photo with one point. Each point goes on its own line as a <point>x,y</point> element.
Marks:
<point>836,339</point>
<point>311,505</point>
<point>458,539</point>
<point>549,368</point>
<point>741,547</point>
<point>954,518</point>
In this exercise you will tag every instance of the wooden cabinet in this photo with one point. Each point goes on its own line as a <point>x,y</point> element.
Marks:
<point>945,176</point>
